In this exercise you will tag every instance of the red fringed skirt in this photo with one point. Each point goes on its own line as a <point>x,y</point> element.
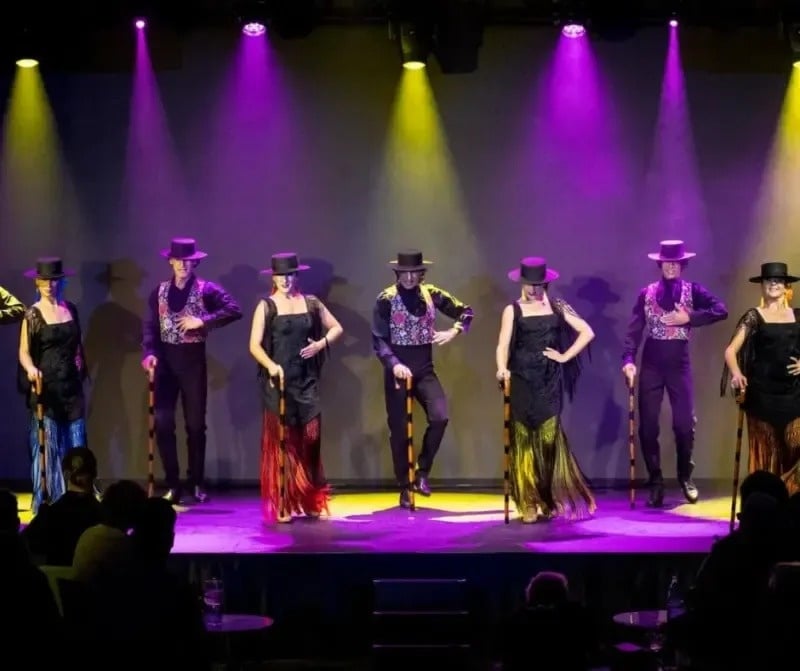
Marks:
<point>306,490</point>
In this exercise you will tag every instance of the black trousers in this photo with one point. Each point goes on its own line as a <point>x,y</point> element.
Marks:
<point>182,371</point>
<point>428,392</point>
<point>666,366</point>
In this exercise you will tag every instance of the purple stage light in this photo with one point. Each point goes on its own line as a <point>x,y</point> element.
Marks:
<point>573,30</point>
<point>254,29</point>
<point>140,24</point>
<point>673,23</point>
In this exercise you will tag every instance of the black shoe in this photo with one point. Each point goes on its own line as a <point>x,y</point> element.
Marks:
<point>690,490</point>
<point>200,496</point>
<point>656,499</point>
<point>173,495</point>
<point>405,499</point>
<point>421,484</point>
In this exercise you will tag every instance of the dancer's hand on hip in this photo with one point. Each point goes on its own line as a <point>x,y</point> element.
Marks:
<point>189,323</point>
<point>629,371</point>
<point>554,355</point>
<point>313,348</point>
<point>444,337</point>
<point>794,367</point>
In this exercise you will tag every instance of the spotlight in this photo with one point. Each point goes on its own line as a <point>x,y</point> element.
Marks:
<point>27,47</point>
<point>673,23</point>
<point>414,46</point>
<point>254,29</point>
<point>139,24</point>
<point>27,63</point>
<point>252,16</point>
<point>573,30</point>
<point>572,16</point>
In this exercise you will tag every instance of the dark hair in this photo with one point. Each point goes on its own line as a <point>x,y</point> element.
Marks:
<point>122,504</point>
<point>79,467</point>
<point>765,483</point>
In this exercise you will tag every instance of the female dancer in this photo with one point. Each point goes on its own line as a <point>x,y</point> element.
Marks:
<point>290,335</point>
<point>51,351</point>
<point>538,352</point>
<point>763,362</point>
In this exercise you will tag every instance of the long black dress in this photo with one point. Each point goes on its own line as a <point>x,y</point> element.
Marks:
<point>772,398</point>
<point>544,473</point>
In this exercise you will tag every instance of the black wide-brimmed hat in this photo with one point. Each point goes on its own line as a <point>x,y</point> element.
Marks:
<point>284,263</point>
<point>409,261</point>
<point>183,249</point>
<point>48,268</point>
<point>533,270</point>
<point>774,270</point>
<point>672,250</point>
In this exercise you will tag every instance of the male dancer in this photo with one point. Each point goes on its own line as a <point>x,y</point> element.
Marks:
<point>182,311</point>
<point>11,309</point>
<point>402,335</point>
<point>667,310</point>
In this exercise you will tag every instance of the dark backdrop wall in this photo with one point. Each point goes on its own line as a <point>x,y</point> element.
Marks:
<point>314,146</point>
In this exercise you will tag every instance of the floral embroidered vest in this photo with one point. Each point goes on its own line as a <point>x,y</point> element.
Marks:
<point>406,329</point>
<point>168,320</point>
<point>653,312</point>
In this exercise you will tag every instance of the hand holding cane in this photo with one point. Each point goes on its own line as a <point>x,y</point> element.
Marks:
<point>410,443</point>
<point>282,512</point>
<point>506,447</point>
<point>631,443</point>
<point>738,456</point>
<point>151,429</point>
<point>41,435</point>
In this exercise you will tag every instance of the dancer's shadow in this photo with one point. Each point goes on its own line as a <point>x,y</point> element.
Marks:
<point>596,408</point>
<point>117,412</point>
<point>345,439</point>
<point>239,457</point>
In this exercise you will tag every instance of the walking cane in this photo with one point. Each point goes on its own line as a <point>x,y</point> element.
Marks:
<point>631,444</point>
<point>506,446</point>
<point>738,456</point>
<point>151,429</point>
<point>281,450</point>
<point>410,442</point>
<point>42,451</point>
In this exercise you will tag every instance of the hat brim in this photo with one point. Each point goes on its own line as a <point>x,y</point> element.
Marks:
<point>789,279</point>
<point>167,254</point>
<point>549,276</point>
<point>32,274</point>
<point>684,257</point>
<point>409,269</point>
<point>270,271</point>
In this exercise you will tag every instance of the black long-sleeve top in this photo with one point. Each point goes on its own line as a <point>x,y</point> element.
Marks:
<point>11,308</point>
<point>414,302</point>
<point>220,309</point>
<point>706,309</point>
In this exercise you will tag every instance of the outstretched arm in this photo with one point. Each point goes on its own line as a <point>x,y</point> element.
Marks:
<point>11,308</point>
<point>451,307</point>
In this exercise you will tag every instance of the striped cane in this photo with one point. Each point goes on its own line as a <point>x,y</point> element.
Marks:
<point>506,447</point>
<point>151,430</point>
<point>410,442</point>
<point>43,461</point>
<point>737,457</point>
<point>282,512</point>
<point>631,444</point>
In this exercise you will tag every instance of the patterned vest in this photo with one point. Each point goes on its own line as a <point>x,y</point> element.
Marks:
<point>406,329</point>
<point>653,313</point>
<point>168,320</point>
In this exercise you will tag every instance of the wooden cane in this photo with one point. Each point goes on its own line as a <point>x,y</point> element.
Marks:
<point>151,430</point>
<point>737,457</point>
<point>282,514</point>
<point>410,442</point>
<point>631,444</point>
<point>43,461</point>
<point>506,447</point>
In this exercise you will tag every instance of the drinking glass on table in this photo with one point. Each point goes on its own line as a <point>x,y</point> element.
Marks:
<point>213,598</point>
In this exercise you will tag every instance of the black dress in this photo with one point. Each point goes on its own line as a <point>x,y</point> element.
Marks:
<point>544,473</point>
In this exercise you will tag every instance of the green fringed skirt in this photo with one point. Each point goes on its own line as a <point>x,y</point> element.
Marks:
<point>544,475</point>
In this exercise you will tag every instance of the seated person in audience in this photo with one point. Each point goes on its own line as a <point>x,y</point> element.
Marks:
<point>534,635</point>
<point>53,534</point>
<point>26,599</point>
<point>104,551</point>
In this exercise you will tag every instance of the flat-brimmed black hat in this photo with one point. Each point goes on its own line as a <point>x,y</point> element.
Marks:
<point>284,263</point>
<point>533,270</point>
<point>774,270</point>
<point>183,249</point>
<point>48,268</point>
<point>409,261</point>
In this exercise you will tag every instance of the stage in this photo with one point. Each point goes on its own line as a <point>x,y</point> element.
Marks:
<point>320,573</point>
